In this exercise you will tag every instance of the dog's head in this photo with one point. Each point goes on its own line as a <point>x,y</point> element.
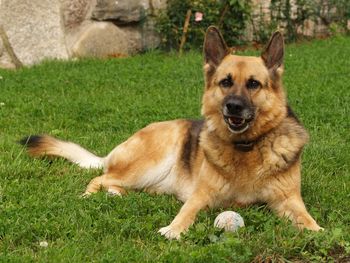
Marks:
<point>243,96</point>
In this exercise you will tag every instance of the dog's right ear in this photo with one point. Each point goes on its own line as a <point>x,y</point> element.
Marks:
<point>215,48</point>
<point>274,52</point>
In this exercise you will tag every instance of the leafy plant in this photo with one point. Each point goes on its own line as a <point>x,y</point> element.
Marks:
<point>285,15</point>
<point>236,17</point>
<point>292,16</point>
<point>335,14</point>
<point>230,16</point>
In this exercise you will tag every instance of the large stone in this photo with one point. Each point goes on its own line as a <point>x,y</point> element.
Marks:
<point>34,29</point>
<point>120,11</point>
<point>100,39</point>
<point>75,12</point>
<point>141,37</point>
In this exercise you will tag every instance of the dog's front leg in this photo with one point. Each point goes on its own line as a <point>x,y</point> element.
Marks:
<point>204,195</point>
<point>285,199</point>
<point>293,208</point>
<point>185,218</point>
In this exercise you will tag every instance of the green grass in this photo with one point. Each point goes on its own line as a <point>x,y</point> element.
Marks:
<point>98,104</point>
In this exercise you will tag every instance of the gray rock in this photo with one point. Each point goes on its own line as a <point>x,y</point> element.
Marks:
<point>120,11</point>
<point>151,38</point>
<point>100,39</point>
<point>141,37</point>
<point>75,12</point>
<point>34,29</point>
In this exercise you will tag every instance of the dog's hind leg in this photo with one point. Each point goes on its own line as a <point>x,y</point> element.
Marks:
<point>94,186</point>
<point>143,162</point>
<point>115,190</point>
<point>103,182</point>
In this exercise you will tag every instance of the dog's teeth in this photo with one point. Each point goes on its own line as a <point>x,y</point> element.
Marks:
<point>232,122</point>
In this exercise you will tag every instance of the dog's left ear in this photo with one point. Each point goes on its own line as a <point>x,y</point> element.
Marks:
<point>215,48</point>
<point>274,52</point>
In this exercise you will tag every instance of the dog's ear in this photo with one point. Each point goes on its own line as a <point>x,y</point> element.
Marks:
<point>274,52</point>
<point>215,48</point>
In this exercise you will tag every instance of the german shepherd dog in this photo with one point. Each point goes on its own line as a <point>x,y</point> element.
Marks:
<point>246,150</point>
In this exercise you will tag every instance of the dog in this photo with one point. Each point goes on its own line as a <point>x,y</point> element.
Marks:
<point>246,150</point>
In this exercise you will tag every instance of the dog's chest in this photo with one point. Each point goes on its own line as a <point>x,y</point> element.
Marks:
<point>245,175</point>
<point>265,159</point>
<point>238,193</point>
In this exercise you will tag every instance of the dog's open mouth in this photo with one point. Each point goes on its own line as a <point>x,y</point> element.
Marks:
<point>237,124</point>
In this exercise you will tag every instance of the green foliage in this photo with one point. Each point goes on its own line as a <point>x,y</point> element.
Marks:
<point>100,103</point>
<point>332,14</point>
<point>336,14</point>
<point>236,19</point>
<point>230,16</point>
<point>282,15</point>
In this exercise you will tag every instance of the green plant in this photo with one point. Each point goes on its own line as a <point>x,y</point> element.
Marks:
<point>230,16</point>
<point>286,15</point>
<point>234,16</point>
<point>292,15</point>
<point>335,14</point>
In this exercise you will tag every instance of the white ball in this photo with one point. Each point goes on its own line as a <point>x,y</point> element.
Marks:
<point>43,244</point>
<point>229,220</point>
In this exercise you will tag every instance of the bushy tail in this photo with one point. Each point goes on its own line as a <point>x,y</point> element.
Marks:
<point>44,145</point>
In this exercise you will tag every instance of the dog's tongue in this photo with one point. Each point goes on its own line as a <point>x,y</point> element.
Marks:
<point>236,121</point>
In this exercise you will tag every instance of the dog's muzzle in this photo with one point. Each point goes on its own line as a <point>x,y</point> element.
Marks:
<point>238,113</point>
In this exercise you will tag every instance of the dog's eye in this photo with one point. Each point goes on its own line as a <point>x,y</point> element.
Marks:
<point>253,84</point>
<point>226,83</point>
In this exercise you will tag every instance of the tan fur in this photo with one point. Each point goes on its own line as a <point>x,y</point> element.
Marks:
<point>46,147</point>
<point>200,165</point>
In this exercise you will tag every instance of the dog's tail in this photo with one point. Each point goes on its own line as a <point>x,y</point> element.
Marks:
<point>44,145</point>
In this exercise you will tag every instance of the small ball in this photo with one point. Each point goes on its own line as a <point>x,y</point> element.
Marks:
<point>229,220</point>
<point>43,244</point>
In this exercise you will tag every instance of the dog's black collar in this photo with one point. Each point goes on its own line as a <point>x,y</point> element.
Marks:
<point>246,146</point>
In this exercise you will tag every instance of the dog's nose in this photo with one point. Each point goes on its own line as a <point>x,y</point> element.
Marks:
<point>234,105</point>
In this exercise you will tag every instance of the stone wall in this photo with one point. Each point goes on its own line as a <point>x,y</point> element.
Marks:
<point>62,29</point>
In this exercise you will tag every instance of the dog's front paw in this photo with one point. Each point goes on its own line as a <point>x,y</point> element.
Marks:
<point>169,232</point>
<point>316,228</point>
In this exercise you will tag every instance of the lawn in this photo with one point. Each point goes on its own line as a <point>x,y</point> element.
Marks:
<point>98,104</point>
